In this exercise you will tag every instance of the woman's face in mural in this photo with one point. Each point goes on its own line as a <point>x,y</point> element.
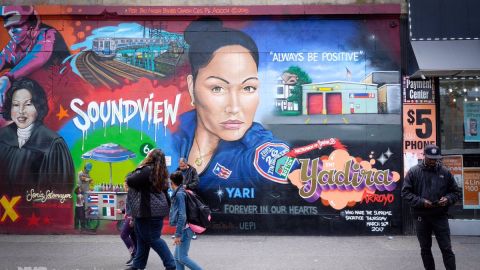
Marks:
<point>225,93</point>
<point>18,33</point>
<point>23,111</point>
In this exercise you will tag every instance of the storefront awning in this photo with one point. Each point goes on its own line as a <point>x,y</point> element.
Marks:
<point>459,58</point>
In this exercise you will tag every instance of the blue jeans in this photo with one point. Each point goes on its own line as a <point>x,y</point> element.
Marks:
<point>181,252</point>
<point>148,232</point>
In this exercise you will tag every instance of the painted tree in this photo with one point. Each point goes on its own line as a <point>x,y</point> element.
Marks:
<point>303,78</point>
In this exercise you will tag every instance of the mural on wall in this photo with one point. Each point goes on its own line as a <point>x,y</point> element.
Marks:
<point>300,127</point>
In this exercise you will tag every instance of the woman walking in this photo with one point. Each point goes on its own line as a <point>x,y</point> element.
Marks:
<point>149,207</point>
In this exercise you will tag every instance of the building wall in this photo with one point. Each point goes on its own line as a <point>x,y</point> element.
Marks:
<point>202,2</point>
<point>135,98</point>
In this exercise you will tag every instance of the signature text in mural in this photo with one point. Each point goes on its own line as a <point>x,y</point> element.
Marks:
<point>40,196</point>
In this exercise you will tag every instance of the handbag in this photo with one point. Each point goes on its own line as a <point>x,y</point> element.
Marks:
<point>158,204</point>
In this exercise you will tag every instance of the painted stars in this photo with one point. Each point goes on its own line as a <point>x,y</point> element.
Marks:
<point>385,156</point>
<point>62,113</point>
<point>382,159</point>
<point>219,193</point>
<point>33,220</point>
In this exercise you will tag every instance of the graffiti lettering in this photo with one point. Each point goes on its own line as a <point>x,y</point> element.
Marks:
<point>302,210</point>
<point>377,198</point>
<point>352,177</point>
<point>287,57</point>
<point>9,208</point>
<point>248,226</point>
<point>240,209</point>
<point>124,110</point>
<point>243,193</point>
<point>340,56</point>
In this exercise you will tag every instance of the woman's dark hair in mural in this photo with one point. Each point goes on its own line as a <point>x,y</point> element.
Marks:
<point>206,35</point>
<point>39,98</point>
<point>159,177</point>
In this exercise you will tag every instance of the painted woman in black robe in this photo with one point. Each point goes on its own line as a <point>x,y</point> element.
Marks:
<point>31,155</point>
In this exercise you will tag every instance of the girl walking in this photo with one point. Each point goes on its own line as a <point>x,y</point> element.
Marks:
<point>178,218</point>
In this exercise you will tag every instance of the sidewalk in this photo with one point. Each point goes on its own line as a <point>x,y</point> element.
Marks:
<point>106,252</point>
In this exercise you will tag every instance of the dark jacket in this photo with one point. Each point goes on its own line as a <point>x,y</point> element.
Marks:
<point>146,201</point>
<point>423,183</point>
<point>190,178</point>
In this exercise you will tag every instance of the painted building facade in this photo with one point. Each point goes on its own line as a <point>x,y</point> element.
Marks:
<point>118,82</point>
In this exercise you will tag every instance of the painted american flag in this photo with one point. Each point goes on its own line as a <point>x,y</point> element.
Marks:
<point>221,171</point>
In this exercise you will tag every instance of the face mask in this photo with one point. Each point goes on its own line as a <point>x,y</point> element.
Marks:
<point>432,165</point>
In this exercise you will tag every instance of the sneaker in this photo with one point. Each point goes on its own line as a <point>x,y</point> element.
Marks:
<point>194,236</point>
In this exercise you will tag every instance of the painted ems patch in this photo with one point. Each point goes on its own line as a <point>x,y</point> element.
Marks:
<point>267,161</point>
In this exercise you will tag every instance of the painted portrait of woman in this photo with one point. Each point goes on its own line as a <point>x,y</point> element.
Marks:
<point>219,137</point>
<point>33,156</point>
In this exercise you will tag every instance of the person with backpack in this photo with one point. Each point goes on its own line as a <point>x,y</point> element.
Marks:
<point>178,218</point>
<point>190,179</point>
<point>149,205</point>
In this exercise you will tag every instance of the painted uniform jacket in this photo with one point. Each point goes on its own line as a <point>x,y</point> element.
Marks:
<point>423,183</point>
<point>254,161</point>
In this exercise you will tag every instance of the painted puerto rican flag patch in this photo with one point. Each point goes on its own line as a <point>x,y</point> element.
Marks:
<point>221,171</point>
<point>265,162</point>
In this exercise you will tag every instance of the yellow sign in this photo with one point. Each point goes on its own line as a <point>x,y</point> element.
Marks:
<point>324,89</point>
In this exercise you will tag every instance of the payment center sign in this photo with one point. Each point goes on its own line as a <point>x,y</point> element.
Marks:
<point>419,121</point>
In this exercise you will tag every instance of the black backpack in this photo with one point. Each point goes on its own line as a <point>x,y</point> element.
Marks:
<point>198,213</point>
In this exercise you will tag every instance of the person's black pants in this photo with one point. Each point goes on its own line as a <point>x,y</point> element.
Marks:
<point>425,225</point>
<point>79,217</point>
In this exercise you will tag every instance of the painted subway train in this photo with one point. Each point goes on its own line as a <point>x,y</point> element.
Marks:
<point>106,48</point>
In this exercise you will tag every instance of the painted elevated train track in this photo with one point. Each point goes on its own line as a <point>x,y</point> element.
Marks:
<point>110,73</point>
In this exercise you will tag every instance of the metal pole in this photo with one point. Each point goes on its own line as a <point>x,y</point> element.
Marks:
<point>111,182</point>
